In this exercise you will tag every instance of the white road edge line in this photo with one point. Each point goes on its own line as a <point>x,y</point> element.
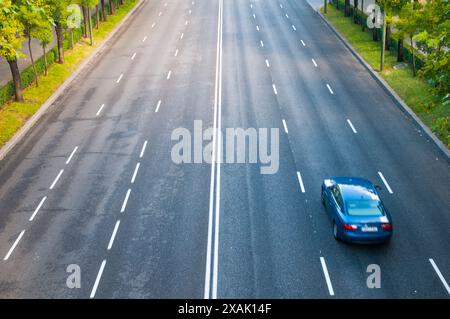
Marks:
<point>113,235</point>
<point>300,181</point>
<point>135,173</point>
<point>56,179</point>
<point>97,280</point>
<point>100,110</point>
<point>327,276</point>
<point>143,149</point>
<point>385,183</point>
<point>329,89</point>
<point>71,155</point>
<point>125,201</point>
<point>215,187</point>
<point>351,126</point>
<point>120,78</point>
<point>285,126</point>
<point>157,106</point>
<point>14,245</point>
<point>38,208</point>
<point>441,277</point>
<point>314,62</point>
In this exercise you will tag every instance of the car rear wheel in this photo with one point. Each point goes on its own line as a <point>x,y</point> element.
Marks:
<point>335,231</point>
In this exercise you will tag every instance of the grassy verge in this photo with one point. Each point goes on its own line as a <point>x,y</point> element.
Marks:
<point>13,115</point>
<point>413,90</point>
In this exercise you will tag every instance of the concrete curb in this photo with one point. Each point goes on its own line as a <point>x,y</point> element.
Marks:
<point>49,102</point>
<point>397,99</point>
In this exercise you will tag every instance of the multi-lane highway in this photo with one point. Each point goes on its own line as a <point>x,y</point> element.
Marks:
<point>94,184</point>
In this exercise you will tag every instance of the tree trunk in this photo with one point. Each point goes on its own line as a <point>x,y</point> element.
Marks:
<point>60,42</point>
<point>16,80</point>
<point>388,36</point>
<point>104,11</point>
<point>347,8</point>
<point>383,42</point>
<point>355,11</point>
<point>45,60</point>
<point>85,26</point>
<point>98,16</point>
<point>32,61</point>
<point>71,39</point>
<point>400,50</point>
<point>363,23</point>
<point>413,55</point>
<point>90,26</point>
<point>111,7</point>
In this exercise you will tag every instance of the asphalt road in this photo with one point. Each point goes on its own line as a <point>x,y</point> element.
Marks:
<point>97,180</point>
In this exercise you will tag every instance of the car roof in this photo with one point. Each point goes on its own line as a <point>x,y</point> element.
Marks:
<point>356,188</point>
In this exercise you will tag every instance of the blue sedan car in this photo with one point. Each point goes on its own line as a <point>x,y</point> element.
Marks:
<point>357,212</point>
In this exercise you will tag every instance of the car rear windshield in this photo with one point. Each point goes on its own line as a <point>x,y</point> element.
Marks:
<point>364,208</point>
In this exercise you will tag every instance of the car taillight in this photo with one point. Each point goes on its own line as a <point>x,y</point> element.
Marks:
<point>386,226</point>
<point>350,227</point>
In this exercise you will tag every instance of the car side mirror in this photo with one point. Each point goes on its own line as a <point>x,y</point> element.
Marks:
<point>378,187</point>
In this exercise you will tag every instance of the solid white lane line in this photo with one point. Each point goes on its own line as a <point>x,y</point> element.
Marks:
<point>441,277</point>
<point>285,126</point>
<point>145,38</point>
<point>215,183</point>
<point>143,149</point>
<point>169,74</point>
<point>157,106</point>
<point>300,181</point>
<point>113,235</point>
<point>261,43</point>
<point>133,56</point>
<point>314,62</point>
<point>327,276</point>
<point>303,43</point>
<point>351,125</point>
<point>38,208</point>
<point>100,110</point>
<point>135,173</point>
<point>56,179</point>
<point>120,78</point>
<point>125,201</point>
<point>14,245</point>
<point>181,36</point>
<point>71,155</point>
<point>97,280</point>
<point>267,63</point>
<point>257,28</point>
<point>385,183</point>
<point>294,28</point>
<point>329,89</point>
<point>176,52</point>
<point>153,25</point>
<point>274,89</point>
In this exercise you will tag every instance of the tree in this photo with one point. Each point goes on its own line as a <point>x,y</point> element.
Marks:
<point>33,18</point>
<point>45,37</point>
<point>88,5</point>
<point>11,42</point>
<point>408,24</point>
<point>57,9</point>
